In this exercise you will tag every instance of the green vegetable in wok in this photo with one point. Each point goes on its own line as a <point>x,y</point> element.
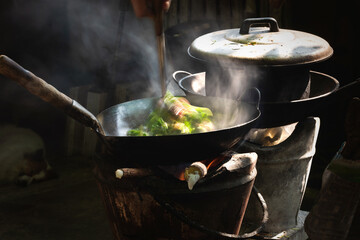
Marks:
<point>175,116</point>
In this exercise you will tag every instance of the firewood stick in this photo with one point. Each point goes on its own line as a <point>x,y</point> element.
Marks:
<point>133,172</point>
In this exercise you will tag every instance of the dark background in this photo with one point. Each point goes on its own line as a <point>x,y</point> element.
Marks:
<point>72,43</point>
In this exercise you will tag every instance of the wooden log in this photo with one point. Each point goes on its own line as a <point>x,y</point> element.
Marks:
<point>133,173</point>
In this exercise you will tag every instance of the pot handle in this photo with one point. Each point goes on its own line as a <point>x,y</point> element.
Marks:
<point>245,27</point>
<point>251,95</point>
<point>38,87</point>
<point>348,89</point>
<point>180,72</point>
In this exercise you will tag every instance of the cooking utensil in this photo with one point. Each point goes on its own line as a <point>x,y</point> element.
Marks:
<point>233,118</point>
<point>276,61</point>
<point>160,40</point>
<point>47,93</point>
<point>265,46</point>
<point>274,114</point>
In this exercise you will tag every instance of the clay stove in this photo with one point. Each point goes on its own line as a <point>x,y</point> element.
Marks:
<point>283,171</point>
<point>150,203</point>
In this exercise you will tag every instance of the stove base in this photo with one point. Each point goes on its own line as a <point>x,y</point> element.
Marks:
<point>296,233</point>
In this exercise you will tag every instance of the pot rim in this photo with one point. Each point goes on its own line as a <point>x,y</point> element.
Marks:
<point>334,82</point>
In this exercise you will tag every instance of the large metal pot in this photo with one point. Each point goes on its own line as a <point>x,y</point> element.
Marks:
<point>112,124</point>
<point>276,61</point>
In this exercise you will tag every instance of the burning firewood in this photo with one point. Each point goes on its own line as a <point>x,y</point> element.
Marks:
<point>227,162</point>
<point>197,172</point>
<point>194,172</point>
<point>133,172</point>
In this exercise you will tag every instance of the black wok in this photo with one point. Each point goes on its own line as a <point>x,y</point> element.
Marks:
<point>232,118</point>
<point>273,114</point>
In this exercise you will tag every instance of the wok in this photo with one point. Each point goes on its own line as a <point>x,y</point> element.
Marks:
<point>274,114</point>
<point>233,119</point>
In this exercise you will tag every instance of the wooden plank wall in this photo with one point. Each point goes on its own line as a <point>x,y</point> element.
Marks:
<point>227,13</point>
<point>80,140</point>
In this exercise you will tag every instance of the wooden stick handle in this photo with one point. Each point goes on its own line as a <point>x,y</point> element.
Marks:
<point>34,84</point>
<point>38,87</point>
<point>158,16</point>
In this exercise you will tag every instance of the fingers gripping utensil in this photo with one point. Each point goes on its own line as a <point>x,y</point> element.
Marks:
<point>37,86</point>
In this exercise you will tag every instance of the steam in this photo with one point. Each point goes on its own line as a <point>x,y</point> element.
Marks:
<point>103,43</point>
<point>235,81</point>
<point>92,29</point>
<point>76,43</point>
<point>111,39</point>
<point>230,79</point>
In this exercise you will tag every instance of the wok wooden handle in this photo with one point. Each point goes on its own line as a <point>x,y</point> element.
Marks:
<point>38,87</point>
<point>34,84</point>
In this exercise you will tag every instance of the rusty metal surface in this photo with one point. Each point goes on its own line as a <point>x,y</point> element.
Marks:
<point>283,172</point>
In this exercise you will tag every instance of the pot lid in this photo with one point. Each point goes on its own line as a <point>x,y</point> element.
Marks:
<point>261,45</point>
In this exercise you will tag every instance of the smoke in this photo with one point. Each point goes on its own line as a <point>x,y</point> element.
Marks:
<point>231,80</point>
<point>110,40</point>
<point>73,43</point>
<point>92,31</point>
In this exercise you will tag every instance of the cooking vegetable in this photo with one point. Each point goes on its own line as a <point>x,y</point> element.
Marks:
<point>175,116</point>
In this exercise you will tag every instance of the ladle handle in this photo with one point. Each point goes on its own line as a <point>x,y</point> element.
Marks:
<point>158,11</point>
<point>38,87</point>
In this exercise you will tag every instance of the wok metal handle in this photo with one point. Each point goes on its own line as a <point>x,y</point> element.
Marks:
<point>38,87</point>
<point>245,27</point>
<point>180,72</point>
<point>251,95</point>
